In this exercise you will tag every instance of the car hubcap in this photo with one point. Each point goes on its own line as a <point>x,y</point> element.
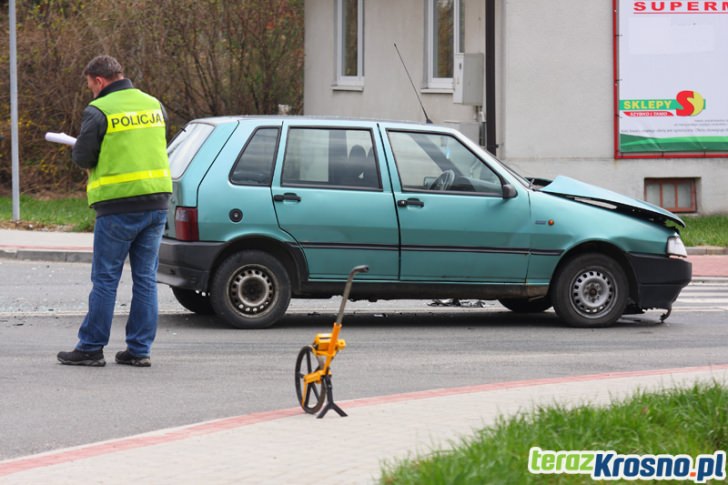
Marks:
<point>252,290</point>
<point>592,293</point>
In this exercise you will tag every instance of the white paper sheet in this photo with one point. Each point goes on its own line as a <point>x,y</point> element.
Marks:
<point>60,138</point>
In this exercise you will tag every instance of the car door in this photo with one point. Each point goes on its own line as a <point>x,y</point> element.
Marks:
<point>329,194</point>
<point>455,223</point>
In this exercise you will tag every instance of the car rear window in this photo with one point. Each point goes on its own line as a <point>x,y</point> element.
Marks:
<point>185,146</point>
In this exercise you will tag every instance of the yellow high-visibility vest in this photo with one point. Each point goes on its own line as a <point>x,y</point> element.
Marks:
<point>133,159</point>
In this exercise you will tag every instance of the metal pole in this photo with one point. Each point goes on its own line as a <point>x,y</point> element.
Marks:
<point>14,112</point>
<point>490,65</point>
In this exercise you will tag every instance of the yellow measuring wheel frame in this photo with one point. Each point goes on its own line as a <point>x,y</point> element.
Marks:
<point>313,365</point>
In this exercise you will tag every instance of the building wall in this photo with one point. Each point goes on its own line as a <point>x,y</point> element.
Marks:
<point>387,92</point>
<point>555,92</point>
<point>556,79</point>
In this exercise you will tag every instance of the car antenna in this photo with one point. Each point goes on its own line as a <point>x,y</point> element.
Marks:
<point>427,118</point>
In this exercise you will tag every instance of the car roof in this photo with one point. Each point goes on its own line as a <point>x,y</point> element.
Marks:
<point>218,120</point>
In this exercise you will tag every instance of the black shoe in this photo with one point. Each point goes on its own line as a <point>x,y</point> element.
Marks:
<point>127,358</point>
<point>77,357</point>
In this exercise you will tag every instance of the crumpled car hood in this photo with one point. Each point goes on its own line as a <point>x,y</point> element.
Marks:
<point>574,189</point>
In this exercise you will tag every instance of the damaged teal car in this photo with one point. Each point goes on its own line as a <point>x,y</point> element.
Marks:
<point>266,209</point>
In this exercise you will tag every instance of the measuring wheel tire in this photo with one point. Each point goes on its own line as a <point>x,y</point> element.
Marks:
<point>523,305</point>
<point>250,289</point>
<point>195,301</point>
<point>590,291</point>
<point>306,363</point>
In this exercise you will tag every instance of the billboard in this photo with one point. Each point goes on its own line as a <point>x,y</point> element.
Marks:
<point>671,86</point>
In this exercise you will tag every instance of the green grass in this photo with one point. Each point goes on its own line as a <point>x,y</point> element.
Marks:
<point>62,213</point>
<point>689,421</point>
<point>705,231</point>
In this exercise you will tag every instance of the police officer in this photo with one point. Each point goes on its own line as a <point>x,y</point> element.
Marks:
<point>122,144</point>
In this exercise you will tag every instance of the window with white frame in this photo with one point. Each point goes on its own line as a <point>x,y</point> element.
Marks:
<point>349,42</point>
<point>445,37</point>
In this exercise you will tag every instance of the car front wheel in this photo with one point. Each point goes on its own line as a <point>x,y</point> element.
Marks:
<point>251,289</point>
<point>590,291</point>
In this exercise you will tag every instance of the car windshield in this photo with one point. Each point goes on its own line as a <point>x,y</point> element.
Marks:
<point>523,180</point>
<point>492,159</point>
<point>489,158</point>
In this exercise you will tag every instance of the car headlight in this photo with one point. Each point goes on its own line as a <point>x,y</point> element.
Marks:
<point>675,247</point>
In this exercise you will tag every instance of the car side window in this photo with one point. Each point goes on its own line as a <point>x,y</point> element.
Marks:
<point>254,165</point>
<point>330,157</point>
<point>440,162</point>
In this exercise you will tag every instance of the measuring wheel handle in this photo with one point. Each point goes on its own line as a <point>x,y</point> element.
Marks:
<point>347,289</point>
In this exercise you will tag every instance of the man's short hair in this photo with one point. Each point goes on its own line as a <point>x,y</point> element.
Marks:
<point>104,66</point>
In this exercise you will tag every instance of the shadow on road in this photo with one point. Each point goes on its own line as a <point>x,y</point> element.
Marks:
<point>409,319</point>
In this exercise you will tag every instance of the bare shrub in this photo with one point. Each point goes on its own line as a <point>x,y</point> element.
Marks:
<point>199,57</point>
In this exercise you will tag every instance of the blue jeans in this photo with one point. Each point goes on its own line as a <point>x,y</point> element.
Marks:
<point>116,236</point>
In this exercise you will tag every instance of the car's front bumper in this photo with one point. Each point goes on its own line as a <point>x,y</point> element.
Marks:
<point>187,264</point>
<point>659,279</point>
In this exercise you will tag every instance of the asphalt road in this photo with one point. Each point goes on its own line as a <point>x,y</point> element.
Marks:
<point>203,369</point>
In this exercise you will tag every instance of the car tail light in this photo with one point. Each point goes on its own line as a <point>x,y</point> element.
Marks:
<point>185,224</point>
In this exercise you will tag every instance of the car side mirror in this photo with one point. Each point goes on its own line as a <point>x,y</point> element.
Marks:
<point>509,191</point>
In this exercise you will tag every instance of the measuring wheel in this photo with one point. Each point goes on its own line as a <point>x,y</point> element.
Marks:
<point>313,365</point>
<point>310,396</point>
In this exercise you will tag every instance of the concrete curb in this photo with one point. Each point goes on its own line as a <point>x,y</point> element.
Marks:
<point>710,279</point>
<point>46,246</point>
<point>707,251</point>
<point>47,255</point>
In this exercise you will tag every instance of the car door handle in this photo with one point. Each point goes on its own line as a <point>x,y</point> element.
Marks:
<point>410,201</point>
<point>287,196</point>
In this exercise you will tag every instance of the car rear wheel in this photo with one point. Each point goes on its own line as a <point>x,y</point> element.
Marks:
<point>251,289</point>
<point>195,301</point>
<point>523,305</point>
<point>590,291</point>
